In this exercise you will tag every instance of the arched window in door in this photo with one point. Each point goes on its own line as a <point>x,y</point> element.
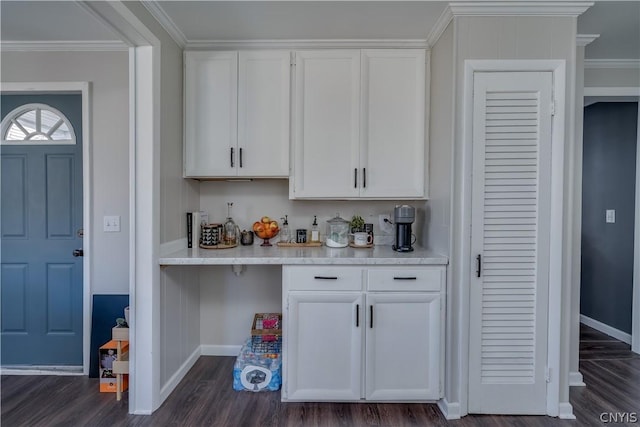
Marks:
<point>36,124</point>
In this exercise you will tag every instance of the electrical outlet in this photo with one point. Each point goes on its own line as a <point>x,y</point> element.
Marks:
<point>610,216</point>
<point>111,224</point>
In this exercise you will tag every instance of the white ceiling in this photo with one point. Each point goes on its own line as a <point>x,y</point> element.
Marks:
<point>617,22</point>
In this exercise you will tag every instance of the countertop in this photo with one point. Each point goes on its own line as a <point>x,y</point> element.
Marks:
<point>275,255</point>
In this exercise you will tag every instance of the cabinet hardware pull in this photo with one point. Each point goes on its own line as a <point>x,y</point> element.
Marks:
<point>240,157</point>
<point>405,278</point>
<point>325,277</point>
<point>357,315</point>
<point>371,316</point>
<point>355,178</point>
<point>364,177</point>
<point>231,156</point>
<point>479,269</point>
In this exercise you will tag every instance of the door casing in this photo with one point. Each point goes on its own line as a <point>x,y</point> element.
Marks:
<point>84,88</point>
<point>461,241</point>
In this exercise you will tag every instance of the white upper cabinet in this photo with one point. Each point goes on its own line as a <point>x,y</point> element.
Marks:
<point>210,112</point>
<point>237,114</point>
<point>360,124</point>
<point>392,138</point>
<point>327,124</point>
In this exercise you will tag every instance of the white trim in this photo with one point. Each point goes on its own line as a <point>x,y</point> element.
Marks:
<point>179,375</point>
<point>440,26</point>
<point>635,319</point>
<point>611,91</point>
<point>451,411</point>
<point>220,350</point>
<point>307,44</point>
<point>576,379</point>
<point>166,22</point>
<point>63,46</point>
<point>606,329</point>
<point>173,246</point>
<point>586,39</point>
<point>84,88</point>
<point>519,8</point>
<point>62,371</point>
<point>612,63</point>
<point>565,411</point>
<point>558,68</point>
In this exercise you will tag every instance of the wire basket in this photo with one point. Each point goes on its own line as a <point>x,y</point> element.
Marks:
<point>266,333</point>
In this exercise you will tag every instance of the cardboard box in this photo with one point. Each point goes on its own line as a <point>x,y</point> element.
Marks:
<point>108,354</point>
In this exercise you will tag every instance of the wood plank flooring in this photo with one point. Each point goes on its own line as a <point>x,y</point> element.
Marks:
<point>205,398</point>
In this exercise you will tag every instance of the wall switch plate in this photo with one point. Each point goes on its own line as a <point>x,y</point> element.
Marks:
<point>111,224</point>
<point>610,216</point>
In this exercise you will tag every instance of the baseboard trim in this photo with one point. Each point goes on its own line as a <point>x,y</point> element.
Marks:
<point>175,379</point>
<point>450,410</point>
<point>565,411</point>
<point>42,370</point>
<point>220,350</point>
<point>576,379</point>
<point>606,329</point>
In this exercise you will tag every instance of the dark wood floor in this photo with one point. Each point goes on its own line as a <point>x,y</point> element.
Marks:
<point>205,398</point>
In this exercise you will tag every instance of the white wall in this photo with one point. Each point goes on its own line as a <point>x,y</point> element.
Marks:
<point>611,77</point>
<point>108,73</point>
<point>506,38</point>
<point>440,144</point>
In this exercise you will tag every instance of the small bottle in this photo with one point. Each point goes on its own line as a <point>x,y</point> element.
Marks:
<point>315,233</point>
<point>285,235</point>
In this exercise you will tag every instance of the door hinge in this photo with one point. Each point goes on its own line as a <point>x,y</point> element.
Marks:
<point>547,375</point>
<point>553,107</point>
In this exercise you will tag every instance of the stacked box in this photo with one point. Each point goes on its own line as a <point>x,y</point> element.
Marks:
<point>255,371</point>
<point>108,354</point>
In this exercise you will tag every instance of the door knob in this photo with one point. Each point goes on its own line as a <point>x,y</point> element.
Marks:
<point>78,252</point>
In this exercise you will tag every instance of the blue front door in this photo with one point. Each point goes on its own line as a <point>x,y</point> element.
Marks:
<point>41,279</point>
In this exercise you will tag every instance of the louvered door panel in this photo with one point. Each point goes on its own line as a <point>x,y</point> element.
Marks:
<point>508,344</point>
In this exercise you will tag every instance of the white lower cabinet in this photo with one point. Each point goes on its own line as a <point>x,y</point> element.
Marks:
<point>357,332</point>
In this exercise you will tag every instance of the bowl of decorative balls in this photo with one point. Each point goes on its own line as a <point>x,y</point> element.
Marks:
<point>266,229</point>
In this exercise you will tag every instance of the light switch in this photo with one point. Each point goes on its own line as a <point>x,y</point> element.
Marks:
<point>611,216</point>
<point>112,224</point>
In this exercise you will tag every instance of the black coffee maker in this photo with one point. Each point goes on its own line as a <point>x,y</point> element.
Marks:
<point>403,217</point>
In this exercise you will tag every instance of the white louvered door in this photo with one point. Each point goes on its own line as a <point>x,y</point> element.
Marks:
<point>510,223</point>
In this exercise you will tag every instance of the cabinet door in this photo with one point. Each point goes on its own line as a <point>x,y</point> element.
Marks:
<point>263,113</point>
<point>210,113</point>
<point>392,156</point>
<point>403,346</point>
<point>323,346</point>
<point>326,124</point>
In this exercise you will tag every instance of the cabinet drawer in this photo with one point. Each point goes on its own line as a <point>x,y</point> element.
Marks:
<point>323,278</point>
<point>405,279</point>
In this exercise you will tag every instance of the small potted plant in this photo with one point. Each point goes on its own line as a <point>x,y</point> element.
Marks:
<point>356,223</point>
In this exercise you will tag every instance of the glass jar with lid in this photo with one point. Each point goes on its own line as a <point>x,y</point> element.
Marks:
<point>337,232</point>
<point>230,230</point>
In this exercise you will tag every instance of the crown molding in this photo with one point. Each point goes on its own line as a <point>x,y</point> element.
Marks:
<point>440,26</point>
<point>63,46</point>
<point>612,63</point>
<point>585,39</point>
<point>307,44</point>
<point>166,22</point>
<point>519,8</point>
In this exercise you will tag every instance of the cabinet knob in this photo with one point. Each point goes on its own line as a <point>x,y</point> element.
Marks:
<point>232,157</point>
